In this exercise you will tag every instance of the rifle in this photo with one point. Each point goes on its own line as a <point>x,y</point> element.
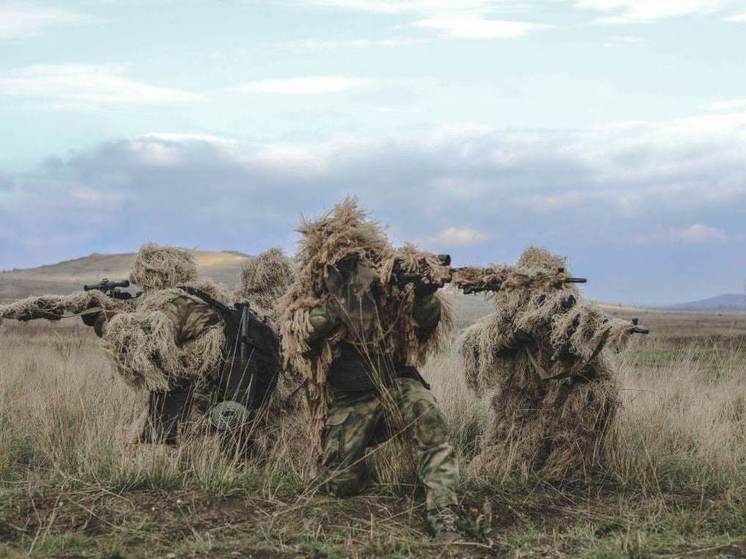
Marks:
<point>425,275</point>
<point>112,289</point>
<point>252,353</point>
<point>494,278</point>
<point>244,339</point>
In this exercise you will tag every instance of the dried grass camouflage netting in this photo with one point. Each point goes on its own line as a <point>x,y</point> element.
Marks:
<point>344,234</point>
<point>555,394</point>
<point>264,279</point>
<point>162,267</point>
<point>55,307</point>
<point>170,334</point>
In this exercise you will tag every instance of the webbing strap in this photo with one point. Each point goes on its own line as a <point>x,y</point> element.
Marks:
<point>542,372</point>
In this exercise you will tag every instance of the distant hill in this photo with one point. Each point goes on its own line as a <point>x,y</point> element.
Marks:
<point>69,276</point>
<point>728,302</point>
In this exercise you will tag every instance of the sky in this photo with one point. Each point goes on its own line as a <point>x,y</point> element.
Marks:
<point>610,131</point>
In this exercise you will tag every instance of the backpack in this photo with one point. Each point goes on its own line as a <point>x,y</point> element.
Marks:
<point>251,355</point>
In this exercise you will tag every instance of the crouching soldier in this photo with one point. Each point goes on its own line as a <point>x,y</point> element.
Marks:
<point>540,356</point>
<point>203,360</point>
<point>356,336</point>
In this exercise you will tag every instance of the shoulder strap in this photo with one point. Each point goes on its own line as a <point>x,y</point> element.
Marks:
<point>225,311</point>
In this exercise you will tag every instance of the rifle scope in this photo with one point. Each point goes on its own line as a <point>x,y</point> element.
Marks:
<point>106,284</point>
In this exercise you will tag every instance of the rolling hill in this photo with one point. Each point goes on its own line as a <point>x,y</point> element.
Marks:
<point>727,302</point>
<point>69,276</point>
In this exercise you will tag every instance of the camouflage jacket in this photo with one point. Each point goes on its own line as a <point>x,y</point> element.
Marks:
<point>358,368</point>
<point>190,316</point>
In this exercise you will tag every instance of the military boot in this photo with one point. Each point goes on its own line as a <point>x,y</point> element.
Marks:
<point>443,525</point>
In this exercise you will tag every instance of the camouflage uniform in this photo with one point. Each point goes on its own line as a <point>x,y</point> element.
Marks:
<point>367,409</point>
<point>196,381</point>
<point>354,423</point>
<point>188,398</point>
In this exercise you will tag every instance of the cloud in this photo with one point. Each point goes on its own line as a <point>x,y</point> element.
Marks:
<point>728,105</point>
<point>472,27</point>
<point>465,19</point>
<point>185,138</point>
<point>458,237</point>
<point>646,11</point>
<point>310,85</point>
<point>321,44</point>
<point>737,18</point>
<point>697,233</point>
<point>86,85</point>
<point>611,11</point>
<point>22,20</point>
<point>408,6</point>
<point>590,194</point>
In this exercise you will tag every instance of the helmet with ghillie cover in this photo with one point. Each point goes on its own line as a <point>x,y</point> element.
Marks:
<point>538,259</point>
<point>162,267</point>
<point>266,278</point>
<point>342,238</point>
<point>268,275</point>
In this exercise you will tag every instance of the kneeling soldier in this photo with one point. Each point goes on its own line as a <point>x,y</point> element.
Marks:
<point>356,336</point>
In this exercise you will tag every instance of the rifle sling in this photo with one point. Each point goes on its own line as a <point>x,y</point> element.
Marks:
<point>542,372</point>
<point>228,314</point>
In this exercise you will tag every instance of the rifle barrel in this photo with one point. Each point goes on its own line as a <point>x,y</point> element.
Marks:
<point>106,285</point>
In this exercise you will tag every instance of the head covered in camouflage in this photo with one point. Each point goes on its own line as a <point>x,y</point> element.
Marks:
<point>266,278</point>
<point>162,267</point>
<point>540,259</point>
<point>343,234</point>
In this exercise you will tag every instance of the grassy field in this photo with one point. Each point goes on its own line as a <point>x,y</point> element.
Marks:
<point>673,484</point>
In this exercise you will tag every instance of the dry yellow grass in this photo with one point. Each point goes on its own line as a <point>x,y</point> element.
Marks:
<point>681,432</point>
<point>682,422</point>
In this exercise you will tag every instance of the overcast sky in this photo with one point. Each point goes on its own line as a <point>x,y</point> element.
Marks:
<point>611,131</point>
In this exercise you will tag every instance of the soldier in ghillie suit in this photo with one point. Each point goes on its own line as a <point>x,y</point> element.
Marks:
<point>264,279</point>
<point>556,395</point>
<point>178,341</point>
<point>182,344</point>
<point>356,335</point>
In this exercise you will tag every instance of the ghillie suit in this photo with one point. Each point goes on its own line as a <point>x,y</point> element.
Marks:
<point>176,340</point>
<point>92,306</point>
<point>183,344</point>
<point>355,333</point>
<point>264,279</point>
<point>556,395</point>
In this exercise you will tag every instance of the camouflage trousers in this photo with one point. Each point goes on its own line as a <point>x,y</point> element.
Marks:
<point>352,426</point>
